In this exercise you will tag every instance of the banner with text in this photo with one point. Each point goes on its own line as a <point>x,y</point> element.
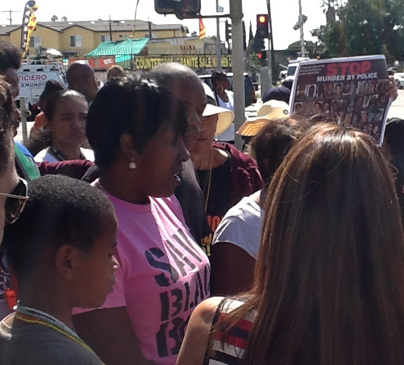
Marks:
<point>350,90</point>
<point>197,61</point>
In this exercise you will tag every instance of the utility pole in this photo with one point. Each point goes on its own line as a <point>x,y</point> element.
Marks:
<point>150,29</point>
<point>271,49</point>
<point>218,44</point>
<point>236,14</point>
<point>10,13</point>
<point>110,29</point>
<point>301,21</point>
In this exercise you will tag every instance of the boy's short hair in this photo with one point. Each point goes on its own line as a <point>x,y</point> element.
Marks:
<point>60,211</point>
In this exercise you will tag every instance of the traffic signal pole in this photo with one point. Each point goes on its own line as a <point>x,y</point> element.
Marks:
<point>236,14</point>
<point>271,49</point>
<point>218,45</point>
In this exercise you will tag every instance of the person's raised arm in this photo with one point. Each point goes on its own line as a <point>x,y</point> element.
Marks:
<point>391,88</point>
<point>110,334</point>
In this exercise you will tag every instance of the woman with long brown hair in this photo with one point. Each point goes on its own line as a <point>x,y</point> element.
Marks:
<point>329,285</point>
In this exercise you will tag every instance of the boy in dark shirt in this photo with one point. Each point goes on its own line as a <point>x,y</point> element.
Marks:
<point>62,253</point>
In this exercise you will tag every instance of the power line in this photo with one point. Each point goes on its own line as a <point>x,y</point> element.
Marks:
<point>10,12</point>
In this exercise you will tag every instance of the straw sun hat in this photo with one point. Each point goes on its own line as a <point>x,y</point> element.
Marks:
<point>272,109</point>
<point>225,116</point>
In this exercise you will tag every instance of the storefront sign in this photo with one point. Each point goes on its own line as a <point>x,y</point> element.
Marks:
<point>192,61</point>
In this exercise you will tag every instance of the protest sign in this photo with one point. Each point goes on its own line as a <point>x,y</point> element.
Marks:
<point>352,91</point>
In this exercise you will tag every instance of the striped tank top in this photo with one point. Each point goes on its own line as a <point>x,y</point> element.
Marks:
<point>232,350</point>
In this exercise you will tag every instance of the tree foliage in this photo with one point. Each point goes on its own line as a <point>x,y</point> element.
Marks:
<point>363,27</point>
<point>258,43</point>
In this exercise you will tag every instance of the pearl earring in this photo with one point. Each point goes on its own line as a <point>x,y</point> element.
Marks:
<point>132,165</point>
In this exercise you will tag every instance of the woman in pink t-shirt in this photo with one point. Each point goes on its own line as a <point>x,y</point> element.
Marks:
<point>136,130</point>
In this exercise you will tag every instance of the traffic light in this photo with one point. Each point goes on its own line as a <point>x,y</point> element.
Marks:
<point>297,25</point>
<point>262,25</point>
<point>228,31</point>
<point>181,8</point>
<point>262,57</point>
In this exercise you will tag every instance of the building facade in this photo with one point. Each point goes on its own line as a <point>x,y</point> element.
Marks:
<point>165,42</point>
<point>81,37</point>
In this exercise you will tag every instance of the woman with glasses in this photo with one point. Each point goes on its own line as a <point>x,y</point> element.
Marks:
<point>225,174</point>
<point>137,131</point>
<point>13,190</point>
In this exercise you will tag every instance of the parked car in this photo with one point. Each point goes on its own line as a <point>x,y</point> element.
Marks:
<point>249,90</point>
<point>399,79</point>
<point>33,77</point>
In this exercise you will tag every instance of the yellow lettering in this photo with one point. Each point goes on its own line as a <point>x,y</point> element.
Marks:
<point>202,61</point>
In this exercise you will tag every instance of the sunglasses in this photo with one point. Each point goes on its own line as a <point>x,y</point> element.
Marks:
<point>15,202</point>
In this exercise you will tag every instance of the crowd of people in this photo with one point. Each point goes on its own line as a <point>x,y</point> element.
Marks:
<point>149,241</point>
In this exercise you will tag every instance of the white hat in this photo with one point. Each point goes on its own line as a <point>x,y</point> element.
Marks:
<point>272,109</point>
<point>225,116</point>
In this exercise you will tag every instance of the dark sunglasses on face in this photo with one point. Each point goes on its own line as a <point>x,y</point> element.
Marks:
<point>15,202</point>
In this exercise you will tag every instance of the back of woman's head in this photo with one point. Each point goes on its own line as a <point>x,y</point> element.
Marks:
<point>135,106</point>
<point>329,279</point>
<point>394,136</point>
<point>274,140</point>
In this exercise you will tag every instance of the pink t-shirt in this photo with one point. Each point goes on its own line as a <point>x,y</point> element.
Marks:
<point>163,274</point>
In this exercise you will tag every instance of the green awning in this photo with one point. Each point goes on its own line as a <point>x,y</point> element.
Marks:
<point>114,48</point>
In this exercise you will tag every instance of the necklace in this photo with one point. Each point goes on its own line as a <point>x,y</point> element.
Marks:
<point>55,152</point>
<point>35,316</point>
<point>209,183</point>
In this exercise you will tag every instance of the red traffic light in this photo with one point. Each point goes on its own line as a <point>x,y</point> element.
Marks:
<point>262,55</point>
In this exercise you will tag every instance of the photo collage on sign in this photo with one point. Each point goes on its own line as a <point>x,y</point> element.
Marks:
<point>346,99</point>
